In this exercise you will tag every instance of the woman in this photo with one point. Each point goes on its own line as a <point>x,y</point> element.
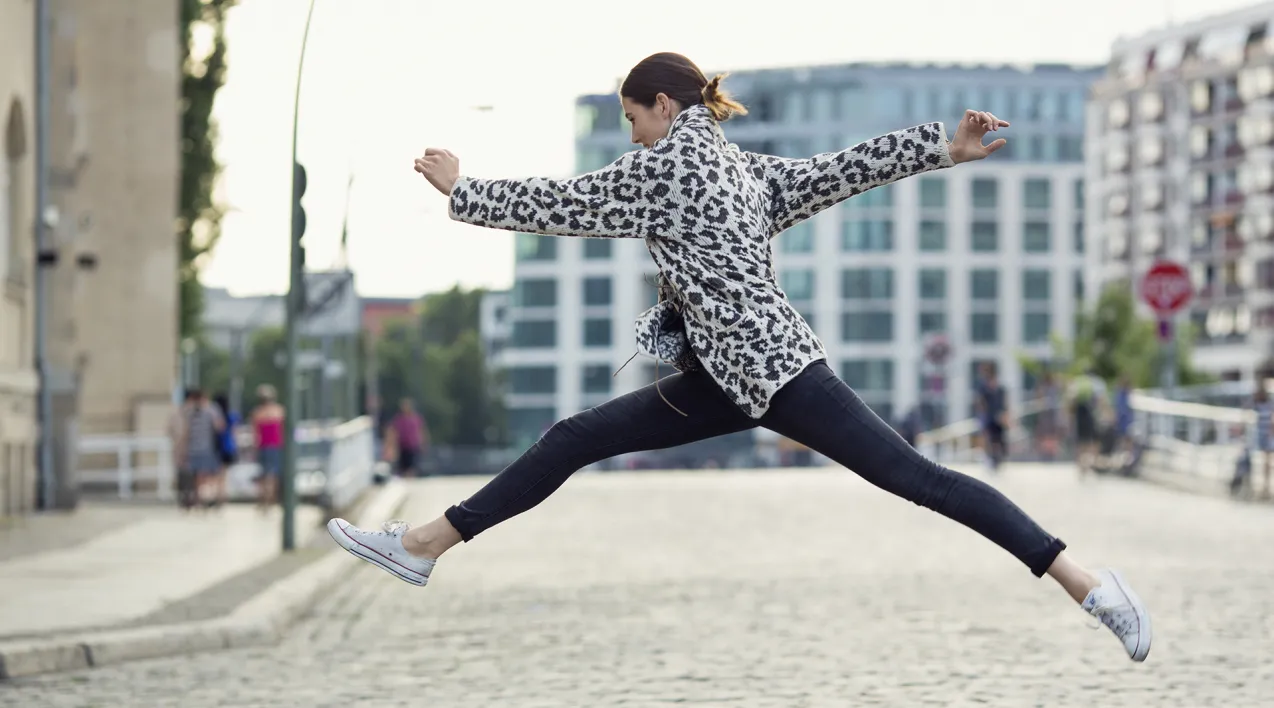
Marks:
<point>227,446</point>
<point>707,212</point>
<point>1264,432</point>
<point>267,429</point>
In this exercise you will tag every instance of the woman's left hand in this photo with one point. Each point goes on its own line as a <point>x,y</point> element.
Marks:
<point>967,145</point>
<point>441,168</point>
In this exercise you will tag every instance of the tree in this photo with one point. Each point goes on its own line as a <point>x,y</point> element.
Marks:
<point>1114,342</point>
<point>203,70</point>
<point>437,360</point>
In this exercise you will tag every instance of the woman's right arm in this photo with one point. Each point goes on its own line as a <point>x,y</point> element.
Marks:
<point>629,198</point>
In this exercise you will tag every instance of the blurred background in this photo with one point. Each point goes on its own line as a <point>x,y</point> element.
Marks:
<point>211,237</point>
<point>149,211</point>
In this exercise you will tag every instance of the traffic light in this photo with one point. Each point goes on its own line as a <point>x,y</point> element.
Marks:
<point>298,230</point>
<point>298,212</point>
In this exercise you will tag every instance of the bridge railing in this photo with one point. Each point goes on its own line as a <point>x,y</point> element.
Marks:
<point>335,463</point>
<point>1186,438</point>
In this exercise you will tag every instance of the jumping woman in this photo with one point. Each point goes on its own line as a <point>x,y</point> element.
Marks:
<point>744,357</point>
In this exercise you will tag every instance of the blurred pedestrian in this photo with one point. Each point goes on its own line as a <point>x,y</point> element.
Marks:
<point>708,212</point>
<point>1263,440</point>
<point>993,412</point>
<point>198,425</point>
<point>408,437</point>
<point>227,446</point>
<point>267,430</point>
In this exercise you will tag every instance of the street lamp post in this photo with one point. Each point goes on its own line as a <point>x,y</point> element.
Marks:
<point>295,305</point>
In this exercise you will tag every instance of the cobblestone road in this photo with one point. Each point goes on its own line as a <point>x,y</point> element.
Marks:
<point>760,589</point>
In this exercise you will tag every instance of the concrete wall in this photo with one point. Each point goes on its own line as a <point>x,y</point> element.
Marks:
<point>18,432</point>
<point>115,176</point>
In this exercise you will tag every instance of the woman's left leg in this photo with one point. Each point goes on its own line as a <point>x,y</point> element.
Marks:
<point>820,411</point>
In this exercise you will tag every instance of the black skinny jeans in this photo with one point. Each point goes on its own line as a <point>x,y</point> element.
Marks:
<point>816,409</point>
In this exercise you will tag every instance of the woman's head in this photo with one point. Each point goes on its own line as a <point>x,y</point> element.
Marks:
<point>266,393</point>
<point>663,85</point>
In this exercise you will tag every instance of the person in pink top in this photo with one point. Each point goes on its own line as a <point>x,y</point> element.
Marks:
<point>408,437</point>
<point>267,427</point>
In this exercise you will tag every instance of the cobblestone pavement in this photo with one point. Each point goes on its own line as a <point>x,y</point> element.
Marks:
<point>784,589</point>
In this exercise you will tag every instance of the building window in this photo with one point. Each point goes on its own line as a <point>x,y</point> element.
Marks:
<point>933,193</point>
<point>798,283</point>
<point>1078,285</point>
<point>1037,284</point>
<point>986,193</point>
<point>984,327</point>
<point>1079,237</point>
<point>1037,193</point>
<point>1036,237</point>
<point>597,332</point>
<point>931,322</point>
<point>533,334</point>
<point>867,283</point>
<point>535,292</point>
<point>596,249</point>
<point>650,293</point>
<point>1070,148</point>
<point>984,284</point>
<point>597,291</point>
<point>1035,327</point>
<point>532,247</point>
<point>526,425</point>
<point>867,326</point>
<point>798,239</point>
<point>933,235</point>
<point>596,378</point>
<point>985,236</point>
<point>868,374</point>
<point>933,284</point>
<point>1079,195</point>
<point>532,379</point>
<point>868,236</point>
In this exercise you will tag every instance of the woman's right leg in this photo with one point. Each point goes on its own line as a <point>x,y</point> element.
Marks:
<point>641,420</point>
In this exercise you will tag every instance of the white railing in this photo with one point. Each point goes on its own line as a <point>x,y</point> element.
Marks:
<point>351,460</point>
<point>128,451</point>
<point>335,463</point>
<point>1194,439</point>
<point>1176,437</point>
<point>957,442</point>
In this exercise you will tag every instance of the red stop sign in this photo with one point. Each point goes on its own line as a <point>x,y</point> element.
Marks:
<point>1166,287</point>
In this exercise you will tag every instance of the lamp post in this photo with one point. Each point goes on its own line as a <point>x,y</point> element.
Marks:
<point>295,305</point>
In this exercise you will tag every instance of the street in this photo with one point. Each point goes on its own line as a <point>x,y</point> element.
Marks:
<point>775,588</point>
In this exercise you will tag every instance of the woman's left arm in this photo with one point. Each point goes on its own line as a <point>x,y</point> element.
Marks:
<point>801,188</point>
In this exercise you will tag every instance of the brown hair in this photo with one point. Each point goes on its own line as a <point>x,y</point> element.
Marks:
<point>677,77</point>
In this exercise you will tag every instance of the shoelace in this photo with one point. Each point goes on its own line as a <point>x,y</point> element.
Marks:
<point>1106,615</point>
<point>395,527</point>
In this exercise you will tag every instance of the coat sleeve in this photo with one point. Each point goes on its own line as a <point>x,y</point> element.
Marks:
<point>800,188</point>
<point>629,198</point>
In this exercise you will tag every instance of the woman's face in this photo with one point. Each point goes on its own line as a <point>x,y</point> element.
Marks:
<point>650,123</point>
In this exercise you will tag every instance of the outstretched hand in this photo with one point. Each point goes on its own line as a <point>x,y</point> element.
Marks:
<point>441,168</point>
<point>967,144</point>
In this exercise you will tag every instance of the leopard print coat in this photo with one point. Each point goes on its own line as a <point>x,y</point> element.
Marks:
<point>708,211</point>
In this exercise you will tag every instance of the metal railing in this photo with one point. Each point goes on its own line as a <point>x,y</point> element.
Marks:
<point>335,463</point>
<point>138,458</point>
<point>1191,440</point>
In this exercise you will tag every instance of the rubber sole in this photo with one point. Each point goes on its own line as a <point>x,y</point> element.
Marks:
<point>1144,633</point>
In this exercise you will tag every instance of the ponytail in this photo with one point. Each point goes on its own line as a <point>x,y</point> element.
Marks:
<point>722,106</point>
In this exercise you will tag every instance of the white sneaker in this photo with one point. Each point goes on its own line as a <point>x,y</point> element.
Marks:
<point>383,549</point>
<point>1115,604</point>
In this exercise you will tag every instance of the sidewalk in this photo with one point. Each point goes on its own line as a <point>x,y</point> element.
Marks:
<point>111,565</point>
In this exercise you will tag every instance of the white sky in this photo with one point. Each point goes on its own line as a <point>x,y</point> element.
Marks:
<point>386,78</point>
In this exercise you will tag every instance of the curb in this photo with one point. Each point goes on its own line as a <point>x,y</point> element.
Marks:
<point>260,621</point>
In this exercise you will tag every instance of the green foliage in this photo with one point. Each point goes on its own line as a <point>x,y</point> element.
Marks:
<point>198,215</point>
<point>437,360</point>
<point>1114,342</point>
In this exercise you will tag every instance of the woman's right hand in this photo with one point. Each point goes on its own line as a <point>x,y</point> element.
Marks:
<point>441,168</point>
